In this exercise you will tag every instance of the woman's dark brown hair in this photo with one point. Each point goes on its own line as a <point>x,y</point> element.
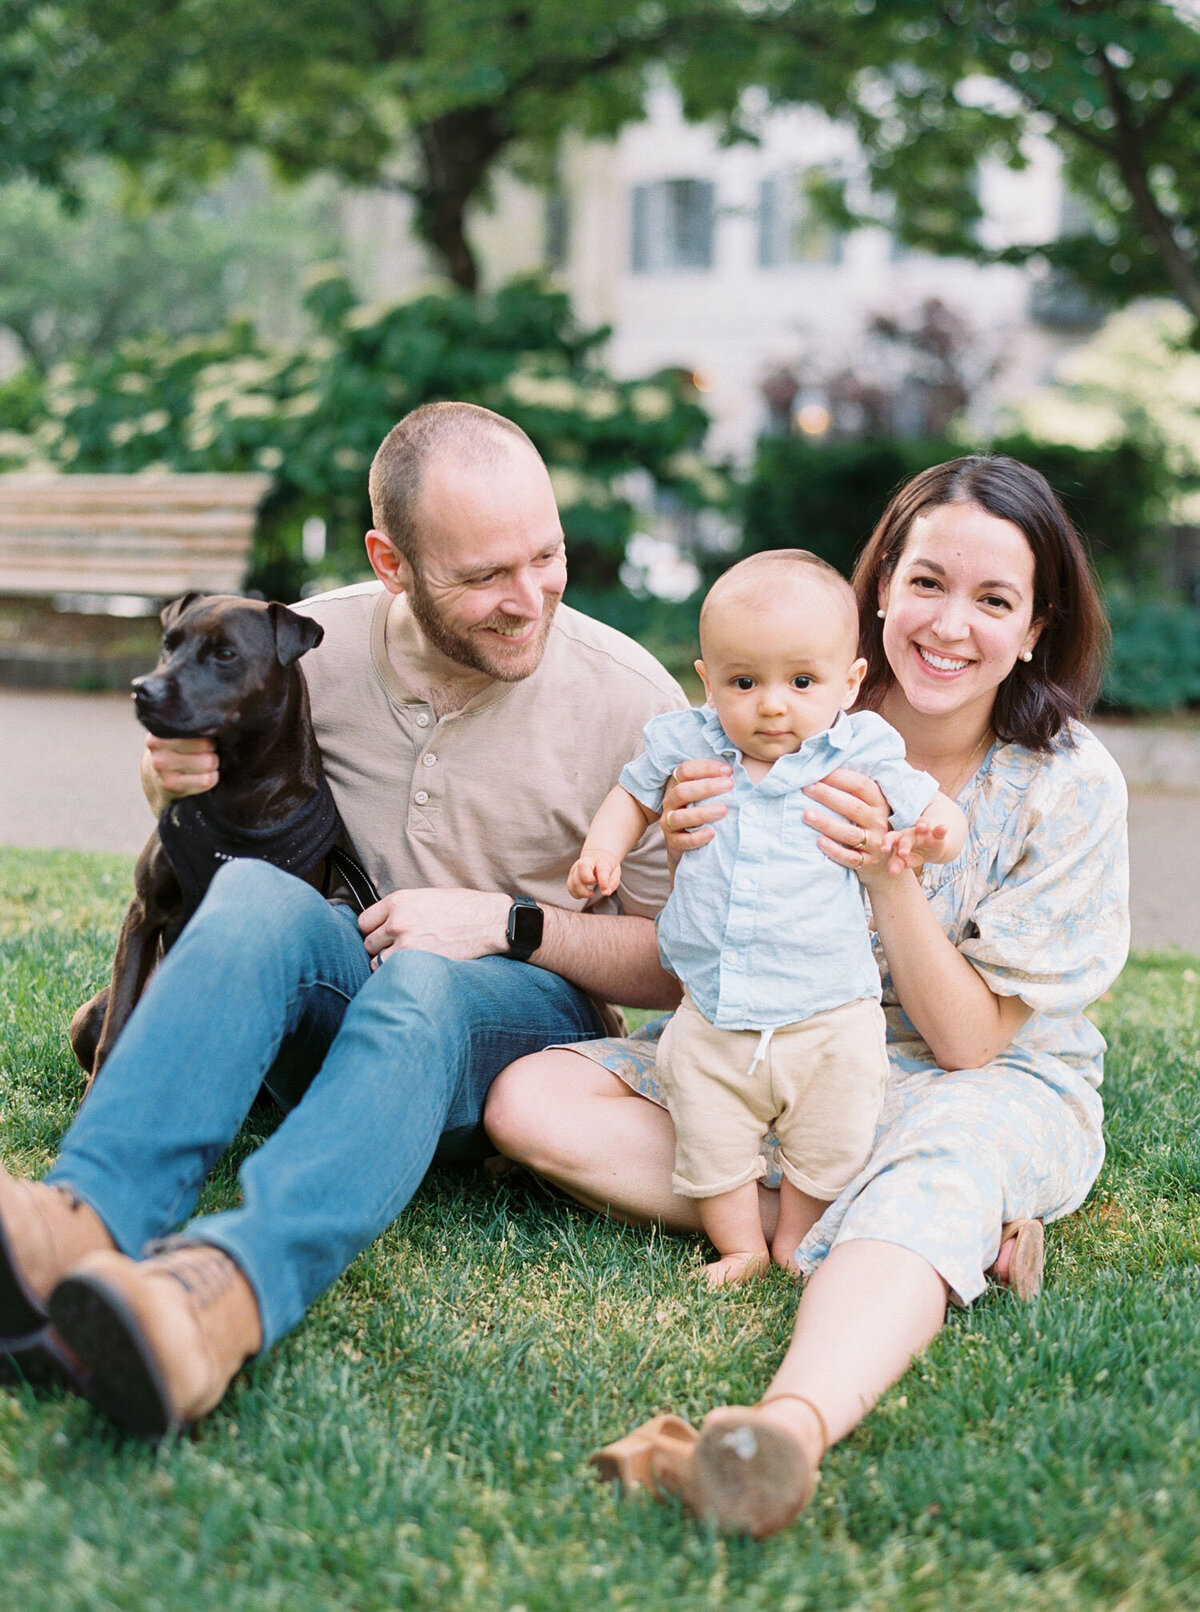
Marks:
<point>1040,696</point>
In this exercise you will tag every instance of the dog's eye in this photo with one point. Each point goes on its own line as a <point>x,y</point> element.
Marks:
<point>224,652</point>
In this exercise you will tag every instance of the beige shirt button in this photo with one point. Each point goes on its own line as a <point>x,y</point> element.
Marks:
<point>420,797</point>
<point>422,719</point>
<point>429,759</point>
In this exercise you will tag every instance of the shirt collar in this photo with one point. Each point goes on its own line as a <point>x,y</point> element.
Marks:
<point>815,751</point>
<point>716,736</point>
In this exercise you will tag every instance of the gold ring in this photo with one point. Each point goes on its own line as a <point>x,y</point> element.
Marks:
<point>667,816</point>
<point>862,843</point>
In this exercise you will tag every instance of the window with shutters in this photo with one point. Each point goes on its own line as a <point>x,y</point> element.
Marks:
<point>673,225</point>
<point>789,229</point>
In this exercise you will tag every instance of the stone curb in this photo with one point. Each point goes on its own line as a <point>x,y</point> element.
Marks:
<point>1153,757</point>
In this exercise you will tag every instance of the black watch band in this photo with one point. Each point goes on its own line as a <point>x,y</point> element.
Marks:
<point>526,921</point>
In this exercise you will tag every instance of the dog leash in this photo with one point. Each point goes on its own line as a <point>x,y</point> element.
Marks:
<point>362,892</point>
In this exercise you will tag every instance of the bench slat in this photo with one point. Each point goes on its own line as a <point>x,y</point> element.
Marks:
<point>199,529</point>
<point>150,536</point>
<point>86,493</point>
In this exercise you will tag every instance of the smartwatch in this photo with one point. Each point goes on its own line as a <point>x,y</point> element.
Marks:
<point>526,920</point>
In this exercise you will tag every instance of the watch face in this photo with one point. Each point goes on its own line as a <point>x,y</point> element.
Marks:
<point>525,927</point>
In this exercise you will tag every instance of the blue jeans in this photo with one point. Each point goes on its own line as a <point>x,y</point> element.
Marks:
<point>270,984</point>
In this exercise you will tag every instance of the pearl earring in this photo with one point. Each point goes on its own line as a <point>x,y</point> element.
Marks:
<point>1027,654</point>
<point>881,614</point>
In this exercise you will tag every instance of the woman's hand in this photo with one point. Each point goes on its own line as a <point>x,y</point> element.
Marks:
<point>858,836</point>
<point>692,804</point>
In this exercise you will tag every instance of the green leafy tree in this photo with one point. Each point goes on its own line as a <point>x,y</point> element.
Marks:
<point>420,96</point>
<point>428,98</point>
<point>73,282</point>
<point>934,86</point>
<point>1135,381</point>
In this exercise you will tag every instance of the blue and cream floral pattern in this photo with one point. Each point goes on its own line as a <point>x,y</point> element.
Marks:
<point>1038,901</point>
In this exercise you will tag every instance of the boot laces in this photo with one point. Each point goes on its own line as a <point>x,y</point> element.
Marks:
<point>201,1269</point>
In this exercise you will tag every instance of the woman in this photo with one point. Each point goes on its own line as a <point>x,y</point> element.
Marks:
<point>984,638</point>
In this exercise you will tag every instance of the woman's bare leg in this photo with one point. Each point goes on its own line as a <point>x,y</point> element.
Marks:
<point>582,1128</point>
<point>867,1311</point>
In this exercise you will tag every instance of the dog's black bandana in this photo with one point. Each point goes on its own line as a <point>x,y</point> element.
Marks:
<point>198,840</point>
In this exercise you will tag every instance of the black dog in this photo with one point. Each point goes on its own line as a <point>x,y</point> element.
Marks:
<point>227,672</point>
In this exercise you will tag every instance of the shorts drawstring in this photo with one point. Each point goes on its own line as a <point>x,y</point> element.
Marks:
<point>760,1052</point>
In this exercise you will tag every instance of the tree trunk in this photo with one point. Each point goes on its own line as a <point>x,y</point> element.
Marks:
<point>457,152</point>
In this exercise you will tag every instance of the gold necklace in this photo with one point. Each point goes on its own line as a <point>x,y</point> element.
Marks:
<point>975,756</point>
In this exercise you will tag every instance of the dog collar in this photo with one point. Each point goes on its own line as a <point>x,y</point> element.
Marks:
<point>198,840</point>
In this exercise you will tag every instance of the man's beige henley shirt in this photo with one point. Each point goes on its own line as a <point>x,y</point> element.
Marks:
<point>498,795</point>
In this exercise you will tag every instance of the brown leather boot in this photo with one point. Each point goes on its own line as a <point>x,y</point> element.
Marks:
<point>162,1337</point>
<point>43,1232</point>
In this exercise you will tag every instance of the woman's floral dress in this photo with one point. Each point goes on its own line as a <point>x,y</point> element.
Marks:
<point>1038,903</point>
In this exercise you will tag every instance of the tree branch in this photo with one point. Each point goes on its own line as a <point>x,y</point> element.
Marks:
<point>1129,153</point>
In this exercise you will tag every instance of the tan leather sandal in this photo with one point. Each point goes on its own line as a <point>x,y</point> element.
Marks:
<point>750,1476</point>
<point>630,1461</point>
<point>1026,1261</point>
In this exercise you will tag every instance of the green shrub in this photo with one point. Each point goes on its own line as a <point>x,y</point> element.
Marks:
<point>1117,496</point>
<point>313,418</point>
<point>828,496</point>
<point>1155,664</point>
<point>670,630</point>
<point>21,411</point>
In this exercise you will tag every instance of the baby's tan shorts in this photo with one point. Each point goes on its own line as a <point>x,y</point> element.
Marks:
<point>817,1083</point>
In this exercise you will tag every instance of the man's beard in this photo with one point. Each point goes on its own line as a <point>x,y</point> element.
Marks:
<point>465,650</point>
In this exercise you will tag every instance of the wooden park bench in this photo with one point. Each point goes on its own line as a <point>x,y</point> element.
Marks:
<point>81,555</point>
<point>103,539</point>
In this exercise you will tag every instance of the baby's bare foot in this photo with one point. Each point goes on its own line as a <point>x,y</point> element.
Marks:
<point>733,1269</point>
<point>786,1260</point>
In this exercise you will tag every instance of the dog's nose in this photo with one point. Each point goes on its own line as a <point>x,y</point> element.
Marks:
<point>147,691</point>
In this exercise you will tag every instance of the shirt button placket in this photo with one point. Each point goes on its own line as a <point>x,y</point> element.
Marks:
<point>737,959</point>
<point>421,797</point>
<point>423,719</point>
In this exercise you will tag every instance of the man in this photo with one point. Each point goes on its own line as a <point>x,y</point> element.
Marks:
<point>469,728</point>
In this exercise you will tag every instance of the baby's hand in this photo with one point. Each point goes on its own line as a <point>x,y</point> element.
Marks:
<point>913,847</point>
<point>597,873</point>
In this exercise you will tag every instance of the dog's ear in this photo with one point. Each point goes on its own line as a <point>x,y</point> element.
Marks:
<point>295,635</point>
<point>175,609</point>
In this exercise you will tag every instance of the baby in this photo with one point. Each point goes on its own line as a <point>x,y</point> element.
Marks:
<point>780,1026</point>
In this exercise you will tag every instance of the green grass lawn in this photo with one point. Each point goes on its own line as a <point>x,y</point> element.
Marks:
<point>421,1441</point>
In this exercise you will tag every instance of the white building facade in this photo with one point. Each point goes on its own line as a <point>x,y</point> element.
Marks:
<point>708,259</point>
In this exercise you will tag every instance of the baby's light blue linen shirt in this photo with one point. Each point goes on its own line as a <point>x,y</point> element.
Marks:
<point>761,926</point>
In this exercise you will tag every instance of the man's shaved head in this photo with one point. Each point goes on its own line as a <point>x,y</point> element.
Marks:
<point>760,579</point>
<point>474,436</point>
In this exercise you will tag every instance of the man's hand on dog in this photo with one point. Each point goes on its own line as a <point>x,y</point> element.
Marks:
<point>452,923</point>
<point>173,768</point>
